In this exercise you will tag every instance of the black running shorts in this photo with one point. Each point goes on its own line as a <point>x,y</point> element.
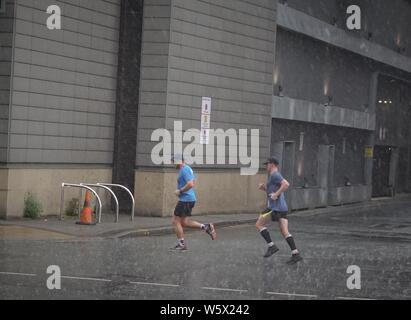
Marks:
<point>277,215</point>
<point>183,209</point>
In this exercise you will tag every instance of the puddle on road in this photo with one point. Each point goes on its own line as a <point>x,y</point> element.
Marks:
<point>26,233</point>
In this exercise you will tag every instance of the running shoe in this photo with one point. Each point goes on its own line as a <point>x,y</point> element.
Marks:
<point>270,251</point>
<point>294,259</point>
<point>179,247</point>
<point>210,230</point>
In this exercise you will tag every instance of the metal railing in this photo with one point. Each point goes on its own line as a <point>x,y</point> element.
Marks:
<point>74,185</point>
<point>124,188</point>
<point>96,185</point>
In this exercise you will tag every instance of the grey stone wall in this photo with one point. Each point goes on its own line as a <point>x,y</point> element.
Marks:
<point>213,48</point>
<point>300,22</point>
<point>315,59</point>
<point>6,43</point>
<point>154,71</point>
<point>64,83</point>
<point>308,69</point>
<point>311,70</point>
<point>308,111</point>
<point>325,10</point>
<point>348,160</point>
<point>388,21</point>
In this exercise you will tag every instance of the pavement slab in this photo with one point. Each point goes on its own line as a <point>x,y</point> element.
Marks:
<point>152,226</point>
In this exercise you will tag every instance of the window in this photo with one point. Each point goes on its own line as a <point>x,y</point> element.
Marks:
<point>2,6</point>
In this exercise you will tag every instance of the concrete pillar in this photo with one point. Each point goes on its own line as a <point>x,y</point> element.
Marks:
<point>323,165</point>
<point>368,154</point>
<point>408,187</point>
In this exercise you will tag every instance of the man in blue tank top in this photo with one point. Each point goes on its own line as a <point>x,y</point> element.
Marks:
<point>186,201</point>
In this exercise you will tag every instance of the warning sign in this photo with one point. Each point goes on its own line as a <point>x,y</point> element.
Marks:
<point>205,120</point>
<point>369,152</point>
<point>206,105</point>
<point>205,136</point>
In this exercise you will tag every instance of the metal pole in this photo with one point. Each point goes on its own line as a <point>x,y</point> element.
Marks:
<point>128,191</point>
<point>80,197</point>
<point>61,201</point>
<point>109,190</point>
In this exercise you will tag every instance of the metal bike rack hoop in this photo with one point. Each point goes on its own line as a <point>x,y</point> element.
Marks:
<point>124,188</point>
<point>107,189</point>
<point>74,185</point>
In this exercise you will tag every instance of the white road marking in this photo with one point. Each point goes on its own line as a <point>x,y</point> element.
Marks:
<point>154,284</point>
<point>19,274</point>
<point>223,289</point>
<point>84,278</point>
<point>176,285</point>
<point>292,294</point>
<point>353,298</point>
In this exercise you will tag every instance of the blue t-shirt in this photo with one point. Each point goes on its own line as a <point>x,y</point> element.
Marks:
<point>273,184</point>
<point>185,175</point>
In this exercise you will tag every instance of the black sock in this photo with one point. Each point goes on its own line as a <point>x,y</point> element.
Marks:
<point>291,243</point>
<point>266,235</point>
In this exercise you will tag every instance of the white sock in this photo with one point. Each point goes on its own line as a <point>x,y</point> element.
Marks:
<point>294,251</point>
<point>181,241</point>
<point>271,244</point>
<point>203,226</point>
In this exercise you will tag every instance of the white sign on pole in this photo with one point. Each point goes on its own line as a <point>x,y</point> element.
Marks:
<point>205,136</point>
<point>205,120</point>
<point>206,105</point>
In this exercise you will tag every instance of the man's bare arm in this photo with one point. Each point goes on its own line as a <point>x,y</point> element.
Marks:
<point>284,186</point>
<point>188,186</point>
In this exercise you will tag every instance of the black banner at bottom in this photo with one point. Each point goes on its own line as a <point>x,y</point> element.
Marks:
<point>209,309</point>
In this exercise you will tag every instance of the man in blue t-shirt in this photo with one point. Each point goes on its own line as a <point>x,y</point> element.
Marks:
<point>186,201</point>
<point>277,210</point>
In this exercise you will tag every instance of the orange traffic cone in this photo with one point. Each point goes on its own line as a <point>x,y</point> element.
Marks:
<point>85,215</point>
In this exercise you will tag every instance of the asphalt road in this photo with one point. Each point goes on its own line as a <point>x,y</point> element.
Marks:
<point>232,267</point>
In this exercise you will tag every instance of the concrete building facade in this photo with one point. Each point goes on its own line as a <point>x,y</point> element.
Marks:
<point>80,104</point>
<point>335,118</point>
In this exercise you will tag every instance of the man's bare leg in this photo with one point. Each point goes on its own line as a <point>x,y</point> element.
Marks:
<point>178,227</point>
<point>179,231</point>
<point>208,227</point>
<point>192,224</point>
<point>283,225</point>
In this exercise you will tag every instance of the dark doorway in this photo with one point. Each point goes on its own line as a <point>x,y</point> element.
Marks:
<point>403,170</point>
<point>125,140</point>
<point>381,172</point>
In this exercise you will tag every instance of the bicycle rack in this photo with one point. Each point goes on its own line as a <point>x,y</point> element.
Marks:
<point>73,185</point>
<point>107,189</point>
<point>124,188</point>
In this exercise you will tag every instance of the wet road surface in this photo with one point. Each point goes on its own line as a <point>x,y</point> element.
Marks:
<point>377,241</point>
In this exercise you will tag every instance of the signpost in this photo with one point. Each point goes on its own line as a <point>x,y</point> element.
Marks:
<point>205,120</point>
